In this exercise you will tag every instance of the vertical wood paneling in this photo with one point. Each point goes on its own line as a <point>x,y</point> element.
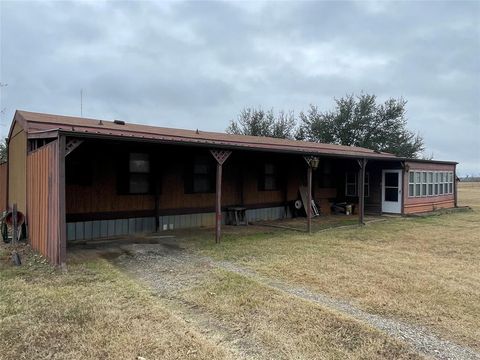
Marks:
<point>43,205</point>
<point>3,186</point>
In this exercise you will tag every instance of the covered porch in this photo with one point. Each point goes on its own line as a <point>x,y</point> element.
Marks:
<point>118,188</point>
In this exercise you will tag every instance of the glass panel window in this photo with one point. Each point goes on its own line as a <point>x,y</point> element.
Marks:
<point>139,163</point>
<point>139,173</point>
<point>351,184</point>
<point>270,178</point>
<point>203,180</point>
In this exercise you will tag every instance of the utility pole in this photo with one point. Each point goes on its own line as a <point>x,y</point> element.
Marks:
<point>81,102</point>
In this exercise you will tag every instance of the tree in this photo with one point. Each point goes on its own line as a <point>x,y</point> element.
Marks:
<point>258,122</point>
<point>3,152</point>
<point>361,121</point>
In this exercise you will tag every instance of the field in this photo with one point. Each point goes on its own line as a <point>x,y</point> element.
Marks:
<point>271,294</point>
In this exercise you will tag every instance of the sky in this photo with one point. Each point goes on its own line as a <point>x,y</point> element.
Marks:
<point>198,64</point>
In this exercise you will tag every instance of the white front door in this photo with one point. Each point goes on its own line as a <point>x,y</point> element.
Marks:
<point>392,191</point>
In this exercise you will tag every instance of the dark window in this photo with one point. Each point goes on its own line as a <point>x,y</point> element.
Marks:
<point>269,178</point>
<point>202,176</point>
<point>139,173</point>
<point>351,185</point>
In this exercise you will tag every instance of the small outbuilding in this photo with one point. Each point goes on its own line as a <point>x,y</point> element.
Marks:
<point>81,179</point>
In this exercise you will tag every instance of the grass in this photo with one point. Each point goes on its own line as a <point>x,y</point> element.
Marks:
<point>423,270</point>
<point>285,327</point>
<point>93,311</point>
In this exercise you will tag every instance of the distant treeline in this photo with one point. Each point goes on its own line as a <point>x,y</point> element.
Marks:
<point>470,179</point>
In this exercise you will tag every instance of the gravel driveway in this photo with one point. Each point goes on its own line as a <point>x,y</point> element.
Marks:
<point>168,269</point>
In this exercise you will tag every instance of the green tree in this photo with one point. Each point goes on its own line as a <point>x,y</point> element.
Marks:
<point>361,121</point>
<point>258,122</point>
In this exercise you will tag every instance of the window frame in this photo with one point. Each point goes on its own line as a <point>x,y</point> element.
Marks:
<point>429,183</point>
<point>274,174</point>
<point>147,174</point>
<point>193,176</point>
<point>366,190</point>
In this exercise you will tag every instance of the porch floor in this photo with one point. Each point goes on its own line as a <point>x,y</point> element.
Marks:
<point>170,240</point>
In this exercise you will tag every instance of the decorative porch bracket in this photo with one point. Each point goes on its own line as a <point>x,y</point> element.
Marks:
<point>220,157</point>
<point>361,190</point>
<point>312,164</point>
<point>71,145</point>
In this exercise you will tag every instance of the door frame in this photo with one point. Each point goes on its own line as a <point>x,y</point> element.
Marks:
<point>399,172</point>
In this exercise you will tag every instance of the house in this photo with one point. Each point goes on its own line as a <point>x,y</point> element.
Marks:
<point>78,178</point>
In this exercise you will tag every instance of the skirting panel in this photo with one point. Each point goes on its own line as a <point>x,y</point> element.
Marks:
<point>87,230</point>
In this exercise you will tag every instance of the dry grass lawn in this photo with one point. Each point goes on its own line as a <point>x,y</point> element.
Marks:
<point>422,270</point>
<point>91,312</point>
<point>286,327</point>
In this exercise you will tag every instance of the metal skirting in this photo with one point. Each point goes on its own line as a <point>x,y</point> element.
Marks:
<point>87,230</point>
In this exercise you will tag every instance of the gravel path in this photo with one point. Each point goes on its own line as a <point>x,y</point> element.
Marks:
<point>169,270</point>
<point>418,337</point>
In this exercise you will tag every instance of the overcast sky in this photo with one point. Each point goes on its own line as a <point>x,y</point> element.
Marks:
<point>197,64</point>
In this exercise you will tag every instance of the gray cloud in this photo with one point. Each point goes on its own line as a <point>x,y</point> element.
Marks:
<point>197,64</point>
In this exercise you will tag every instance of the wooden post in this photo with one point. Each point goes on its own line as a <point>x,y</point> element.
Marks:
<point>220,156</point>
<point>309,199</point>
<point>361,190</point>
<point>218,204</point>
<point>62,220</point>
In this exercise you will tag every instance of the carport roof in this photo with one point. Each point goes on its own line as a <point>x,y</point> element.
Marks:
<point>36,124</point>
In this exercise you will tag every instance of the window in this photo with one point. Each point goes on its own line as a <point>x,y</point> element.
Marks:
<point>269,178</point>
<point>139,173</point>
<point>411,184</point>
<point>417,183</point>
<point>450,182</point>
<point>203,176</point>
<point>429,183</point>
<point>440,183</point>
<point>351,185</point>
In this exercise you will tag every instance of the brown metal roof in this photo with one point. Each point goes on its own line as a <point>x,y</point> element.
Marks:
<point>38,123</point>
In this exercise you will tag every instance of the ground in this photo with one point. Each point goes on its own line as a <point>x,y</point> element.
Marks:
<point>396,288</point>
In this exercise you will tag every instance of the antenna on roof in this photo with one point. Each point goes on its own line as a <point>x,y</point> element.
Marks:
<point>81,102</point>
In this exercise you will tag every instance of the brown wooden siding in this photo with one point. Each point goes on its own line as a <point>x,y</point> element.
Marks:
<point>17,167</point>
<point>43,213</point>
<point>423,204</point>
<point>240,181</point>
<point>3,187</point>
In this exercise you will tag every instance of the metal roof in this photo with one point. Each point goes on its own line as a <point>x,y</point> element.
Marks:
<point>36,124</point>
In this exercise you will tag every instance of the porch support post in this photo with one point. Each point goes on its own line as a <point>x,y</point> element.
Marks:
<point>361,190</point>
<point>309,199</point>
<point>62,223</point>
<point>220,156</point>
<point>312,164</point>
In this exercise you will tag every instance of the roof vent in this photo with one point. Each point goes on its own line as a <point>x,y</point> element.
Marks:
<point>119,122</point>
<point>100,122</point>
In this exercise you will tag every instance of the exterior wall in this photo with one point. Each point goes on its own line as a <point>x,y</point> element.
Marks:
<point>3,187</point>
<point>429,203</point>
<point>87,230</point>
<point>44,213</point>
<point>101,201</point>
<point>17,168</point>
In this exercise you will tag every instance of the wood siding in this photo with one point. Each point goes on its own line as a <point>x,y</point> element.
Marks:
<point>430,203</point>
<point>3,187</point>
<point>17,168</point>
<point>44,212</point>
<point>240,181</point>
